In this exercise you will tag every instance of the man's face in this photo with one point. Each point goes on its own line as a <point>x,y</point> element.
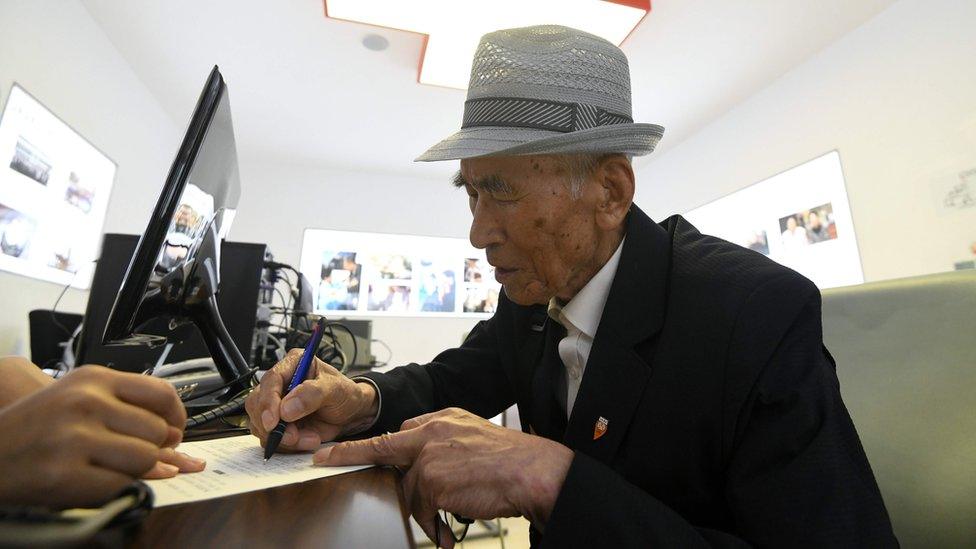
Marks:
<point>814,220</point>
<point>541,241</point>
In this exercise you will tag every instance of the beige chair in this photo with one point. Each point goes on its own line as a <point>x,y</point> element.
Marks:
<point>906,359</point>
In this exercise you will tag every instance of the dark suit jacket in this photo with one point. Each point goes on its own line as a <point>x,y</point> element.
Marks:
<point>725,423</point>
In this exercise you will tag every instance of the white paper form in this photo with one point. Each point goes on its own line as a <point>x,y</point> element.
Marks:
<point>236,465</point>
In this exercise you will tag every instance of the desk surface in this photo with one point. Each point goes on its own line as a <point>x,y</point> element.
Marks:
<point>360,509</point>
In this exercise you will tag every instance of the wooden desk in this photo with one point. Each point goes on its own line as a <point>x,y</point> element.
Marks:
<point>360,509</point>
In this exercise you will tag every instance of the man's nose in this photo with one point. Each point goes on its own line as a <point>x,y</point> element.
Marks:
<point>485,228</point>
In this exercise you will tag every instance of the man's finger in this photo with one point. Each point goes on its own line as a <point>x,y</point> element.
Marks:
<point>423,511</point>
<point>269,399</point>
<point>415,422</point>
<point>398,449</point>
<point>254,415</point>
<point>309,397</point>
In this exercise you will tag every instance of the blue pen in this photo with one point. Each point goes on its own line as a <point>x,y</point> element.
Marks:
<point>274,437</point>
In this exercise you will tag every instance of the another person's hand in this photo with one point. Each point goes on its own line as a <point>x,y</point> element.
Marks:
<point>172,462</point>
<point>464,464</point>
<point>327,404</point>
<point>80,440</point>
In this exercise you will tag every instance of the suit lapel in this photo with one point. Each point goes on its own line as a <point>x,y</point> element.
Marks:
<point>611,390</point>
<point>548,419</point>
<point>616,377</point>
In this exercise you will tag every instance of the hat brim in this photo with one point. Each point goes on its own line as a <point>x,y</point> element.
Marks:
<point>634,139</point>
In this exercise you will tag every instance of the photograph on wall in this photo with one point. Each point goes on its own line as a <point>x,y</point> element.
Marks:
<point>379,274</point>
<point>800,218</point>
<point>392,298</point>
<point>79,194</point>
<point>477,270</point>
<point>16,231</point>
<point>61,259</point>
<point>393,266</point>
<point>54,188</point>
<point>436,288</point>
<point>756,241</point>
<point>480,299</point>
<point>339,281</point>
<point>30,161</point>
<point>810,226</point>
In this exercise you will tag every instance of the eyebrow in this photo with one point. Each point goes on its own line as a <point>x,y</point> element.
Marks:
<point>490,184</point>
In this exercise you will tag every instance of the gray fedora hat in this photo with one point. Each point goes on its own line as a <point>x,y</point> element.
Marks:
<point>547,90</point>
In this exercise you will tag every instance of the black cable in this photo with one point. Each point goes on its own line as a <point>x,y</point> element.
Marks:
<point>230,407</point>
<point>54,317</point>
<point>355,346</point>
<point>207,434</point>
<point>284,302</point>
<point>277,266</point>
<point>388,350</point>
<point>241,377</point>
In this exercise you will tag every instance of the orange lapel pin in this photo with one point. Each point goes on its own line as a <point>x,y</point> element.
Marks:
<point>600,428</point>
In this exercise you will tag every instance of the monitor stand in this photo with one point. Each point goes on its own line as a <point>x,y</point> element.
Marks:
<point>199,305</point>
<point>188,294</point>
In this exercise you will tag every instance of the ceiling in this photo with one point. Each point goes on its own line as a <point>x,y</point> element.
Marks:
<point>305,91</point>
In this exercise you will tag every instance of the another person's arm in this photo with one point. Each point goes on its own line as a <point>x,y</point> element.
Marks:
<point>79,440</point>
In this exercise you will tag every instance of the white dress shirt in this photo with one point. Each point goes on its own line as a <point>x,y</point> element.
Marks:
<point>581,318</point>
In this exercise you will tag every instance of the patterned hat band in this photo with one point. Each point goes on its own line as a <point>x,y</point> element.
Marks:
<point>537,114</point>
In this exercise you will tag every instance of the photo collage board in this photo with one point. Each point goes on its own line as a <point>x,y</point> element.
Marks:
<point>800,218</point>
<point>376,274</point>
<point>54,191</point>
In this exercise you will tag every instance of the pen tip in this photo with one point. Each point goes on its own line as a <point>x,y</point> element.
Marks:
<point>265,460</point>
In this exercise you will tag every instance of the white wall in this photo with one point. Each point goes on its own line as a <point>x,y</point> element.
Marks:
<point>279,202</point>
<point>62,57</point>
<point>56,52</point>
<point>896,97</point>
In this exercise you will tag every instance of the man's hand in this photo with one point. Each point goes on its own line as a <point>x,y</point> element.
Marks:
<point>80,440</point>
<point>464,464</point>
<point>326,405</point>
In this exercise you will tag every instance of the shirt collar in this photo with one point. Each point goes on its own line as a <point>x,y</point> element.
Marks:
<point>585,309</point>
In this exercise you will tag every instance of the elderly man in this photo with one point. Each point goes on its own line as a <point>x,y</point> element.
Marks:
<point>673,388</point>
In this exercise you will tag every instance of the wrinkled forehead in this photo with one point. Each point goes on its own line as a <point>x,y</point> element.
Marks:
<point>503,173</point>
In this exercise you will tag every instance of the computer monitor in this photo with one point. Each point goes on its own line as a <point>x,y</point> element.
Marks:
<point>241,271</point>
<point>174,273</point>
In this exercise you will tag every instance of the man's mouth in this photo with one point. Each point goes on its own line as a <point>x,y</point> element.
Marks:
<point>502,274</point>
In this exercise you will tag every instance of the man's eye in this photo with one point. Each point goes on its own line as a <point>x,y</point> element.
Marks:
<point>504,198</point>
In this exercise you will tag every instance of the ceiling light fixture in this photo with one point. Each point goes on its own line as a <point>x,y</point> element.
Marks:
<point>453,27</point>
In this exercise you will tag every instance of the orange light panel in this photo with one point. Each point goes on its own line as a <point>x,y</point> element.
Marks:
<point>453,27</point>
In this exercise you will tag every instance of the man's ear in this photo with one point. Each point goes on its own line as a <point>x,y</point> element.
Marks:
<point>615,177</point>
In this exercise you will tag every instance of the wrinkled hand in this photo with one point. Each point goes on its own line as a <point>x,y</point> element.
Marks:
<point>464,464</point>
<point>80,440</point>
<point>326,405</point>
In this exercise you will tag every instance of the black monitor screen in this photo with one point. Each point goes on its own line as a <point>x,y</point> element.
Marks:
<point>199,196</point>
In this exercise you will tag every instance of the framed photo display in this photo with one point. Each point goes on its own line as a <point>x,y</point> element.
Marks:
<point>375,274</point>
<point>800,218</point>
<point>54,191</point>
